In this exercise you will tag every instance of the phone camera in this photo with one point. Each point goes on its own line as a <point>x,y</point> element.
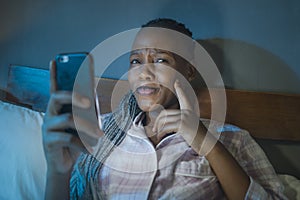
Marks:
<point>64,59</point>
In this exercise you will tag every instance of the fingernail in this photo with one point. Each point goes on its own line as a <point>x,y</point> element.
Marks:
<point>86,102</point>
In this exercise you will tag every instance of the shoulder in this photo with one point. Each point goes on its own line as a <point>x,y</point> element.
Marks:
<point>231,136</point>
<point>225,129</point>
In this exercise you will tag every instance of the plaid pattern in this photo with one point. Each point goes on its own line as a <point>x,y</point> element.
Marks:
<point>172,170</point>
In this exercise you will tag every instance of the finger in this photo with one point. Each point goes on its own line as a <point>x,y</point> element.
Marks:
<point>60,98</point>
<point>58,140</point>
<point>166,117</point>
<point>53,84</point>
<point>87,128</point>
<point>167,129</point>
<point>54,137</point>
<point>162,117</point>
<point>166,126</point>
<point>60,122</point>
<point>57,100</point>
<point>89,132</point>
<point>171,119</point>
<point>80,100</point>
<point>182,97</point>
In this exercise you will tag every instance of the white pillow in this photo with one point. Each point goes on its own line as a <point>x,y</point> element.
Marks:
<point>23,164</point>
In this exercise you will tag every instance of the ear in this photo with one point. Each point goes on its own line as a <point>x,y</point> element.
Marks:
<point>190,72</point>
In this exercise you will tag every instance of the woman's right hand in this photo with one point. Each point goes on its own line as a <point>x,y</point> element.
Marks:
<point>62,148</point>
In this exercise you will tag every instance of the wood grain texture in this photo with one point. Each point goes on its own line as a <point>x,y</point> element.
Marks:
<point>264,115</point>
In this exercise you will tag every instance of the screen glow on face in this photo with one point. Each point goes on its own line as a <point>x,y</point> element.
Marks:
<point>127,41</point>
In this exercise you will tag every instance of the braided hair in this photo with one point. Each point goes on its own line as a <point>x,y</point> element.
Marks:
<point>84,183</point>
<point>85,175</point>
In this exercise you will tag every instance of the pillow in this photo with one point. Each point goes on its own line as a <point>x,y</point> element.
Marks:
<point>23,164</point>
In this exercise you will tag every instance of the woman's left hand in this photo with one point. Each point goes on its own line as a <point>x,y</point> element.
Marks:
<point>183,121</point>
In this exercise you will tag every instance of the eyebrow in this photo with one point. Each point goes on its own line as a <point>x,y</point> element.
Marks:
<point>160,51</point>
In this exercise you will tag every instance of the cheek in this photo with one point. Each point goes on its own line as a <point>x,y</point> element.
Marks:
<point>168,75</point>
<point>167,78</point>
<point>132,76</point>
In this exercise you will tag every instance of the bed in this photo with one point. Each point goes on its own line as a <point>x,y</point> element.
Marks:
<point>271,118</point>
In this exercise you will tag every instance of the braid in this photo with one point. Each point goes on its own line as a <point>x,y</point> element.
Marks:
<point>118,124</point>
<point>89,166</point>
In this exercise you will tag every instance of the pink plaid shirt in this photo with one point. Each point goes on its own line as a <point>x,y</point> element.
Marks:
<point>172,170</point>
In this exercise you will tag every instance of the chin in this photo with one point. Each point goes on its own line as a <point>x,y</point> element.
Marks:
<point>146,105</point>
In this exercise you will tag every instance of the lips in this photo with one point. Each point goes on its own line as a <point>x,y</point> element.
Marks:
<point>147,90</point>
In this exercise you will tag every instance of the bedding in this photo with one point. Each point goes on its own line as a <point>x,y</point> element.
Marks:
<point>291,186</point>
<point>23,165</point>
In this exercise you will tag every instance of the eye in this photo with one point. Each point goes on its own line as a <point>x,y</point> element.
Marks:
<point>135,61</point>
<point>161,60</point>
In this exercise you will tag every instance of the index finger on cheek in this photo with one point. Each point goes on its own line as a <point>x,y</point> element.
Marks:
<point>182,97</point>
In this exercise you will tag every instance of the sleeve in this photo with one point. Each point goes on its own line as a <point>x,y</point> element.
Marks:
<point>264,182</point>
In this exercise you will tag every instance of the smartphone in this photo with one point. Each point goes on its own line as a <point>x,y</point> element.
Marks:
<point>75,72</point>
<point>67,66</point>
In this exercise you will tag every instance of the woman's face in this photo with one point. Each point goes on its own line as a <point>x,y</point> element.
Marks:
<point>152,73</point>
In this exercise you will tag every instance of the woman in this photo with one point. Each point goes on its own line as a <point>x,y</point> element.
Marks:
<point>149,151</point>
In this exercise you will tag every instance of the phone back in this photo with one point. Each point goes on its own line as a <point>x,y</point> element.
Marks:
<point>67,66</point>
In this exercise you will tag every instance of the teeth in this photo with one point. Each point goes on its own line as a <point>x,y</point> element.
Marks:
<point>144,90</point>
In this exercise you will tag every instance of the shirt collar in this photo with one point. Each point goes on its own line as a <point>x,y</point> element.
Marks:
<point>137,130</point>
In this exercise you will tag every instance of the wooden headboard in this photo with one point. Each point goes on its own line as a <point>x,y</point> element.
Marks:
<point>272,119</point>
<point>266,115</point>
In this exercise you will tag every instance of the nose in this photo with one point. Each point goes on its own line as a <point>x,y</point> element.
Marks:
<point>147,72</point>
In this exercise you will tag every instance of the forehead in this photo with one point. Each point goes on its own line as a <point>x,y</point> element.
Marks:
<point>163,39</point>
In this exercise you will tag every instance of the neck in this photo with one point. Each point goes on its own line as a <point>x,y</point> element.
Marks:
<point>150,118</point>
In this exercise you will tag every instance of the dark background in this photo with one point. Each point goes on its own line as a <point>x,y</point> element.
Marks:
<point>260,38</point>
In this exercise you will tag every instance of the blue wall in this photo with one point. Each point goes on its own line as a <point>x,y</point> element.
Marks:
<point>33,32</point>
